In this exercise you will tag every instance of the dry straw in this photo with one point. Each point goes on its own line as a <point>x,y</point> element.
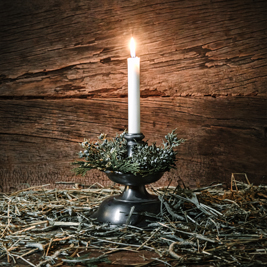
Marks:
<point>208,225</point>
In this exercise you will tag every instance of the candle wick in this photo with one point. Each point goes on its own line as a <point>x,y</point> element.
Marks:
<point>133,54</point>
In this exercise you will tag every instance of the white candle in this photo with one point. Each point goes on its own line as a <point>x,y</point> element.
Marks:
<point>133,91</point>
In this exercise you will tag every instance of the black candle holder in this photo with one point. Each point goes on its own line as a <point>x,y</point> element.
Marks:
<point>131,205</point>
<point>132,140</point>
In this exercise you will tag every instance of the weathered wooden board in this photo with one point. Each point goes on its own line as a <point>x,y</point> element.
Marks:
<point>79,48</point>
<point>63,77</point>
<point>39,138</point>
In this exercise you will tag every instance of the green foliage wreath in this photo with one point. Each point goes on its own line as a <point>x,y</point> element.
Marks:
<point>111,155</point>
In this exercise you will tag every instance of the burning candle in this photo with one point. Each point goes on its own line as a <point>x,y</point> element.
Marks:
<point>133,91</point>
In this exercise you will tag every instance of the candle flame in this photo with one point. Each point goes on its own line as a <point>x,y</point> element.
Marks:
<point>132,47</point>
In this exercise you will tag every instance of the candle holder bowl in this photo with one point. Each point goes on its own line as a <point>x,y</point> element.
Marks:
<point>130,206</point>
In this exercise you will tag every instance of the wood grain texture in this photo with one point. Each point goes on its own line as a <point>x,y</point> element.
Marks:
<point>63,77</point>
<point>59,49</point>
<point>223,136</point>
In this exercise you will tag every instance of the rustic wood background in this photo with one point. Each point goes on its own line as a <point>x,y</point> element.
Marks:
<point>63,78</point>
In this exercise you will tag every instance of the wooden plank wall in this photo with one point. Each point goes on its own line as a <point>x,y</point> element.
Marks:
<point>63,78</point>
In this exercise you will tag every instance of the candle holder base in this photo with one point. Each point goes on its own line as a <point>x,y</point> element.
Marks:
<point>131,206</point>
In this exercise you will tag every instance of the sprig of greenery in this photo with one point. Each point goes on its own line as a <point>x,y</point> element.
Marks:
<point>111,155</point>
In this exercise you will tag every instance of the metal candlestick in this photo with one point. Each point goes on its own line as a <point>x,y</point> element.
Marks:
<point>131,205</point>
<point>132,140</point>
